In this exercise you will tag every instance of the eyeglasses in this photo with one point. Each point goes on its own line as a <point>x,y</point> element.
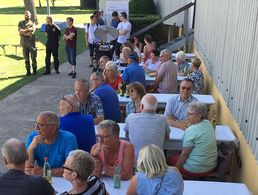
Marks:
<point>64,167</point>
<point>102,137</point>
<point>39,125</point>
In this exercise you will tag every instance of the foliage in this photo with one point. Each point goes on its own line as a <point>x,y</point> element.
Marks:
<point>142,7</point>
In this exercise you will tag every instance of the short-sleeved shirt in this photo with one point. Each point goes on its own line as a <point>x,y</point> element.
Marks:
<point>16,182</point>
<point>203,157</point>
<point>114,23</point>
<point>133,73</point>
<point>27,40</point>
<point>183,67</point>
<point>56,152</point>
<point>177,108</point>
<point>197,78</point>
<point>71,43</point>
<point>168,74</point>
<point>53,34</point>
<point>124,26</point>
<point>151,66</point>
<point>116,83</point>
<point>93,106</point>
<point>90,29</point>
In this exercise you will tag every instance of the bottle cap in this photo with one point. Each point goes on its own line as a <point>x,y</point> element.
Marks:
<point>46,158</point>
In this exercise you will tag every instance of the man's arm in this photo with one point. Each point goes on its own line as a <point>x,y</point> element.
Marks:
<point>86,39</point>
<point>98,119</point>
<point>181,124</point>
<point>183,156</point>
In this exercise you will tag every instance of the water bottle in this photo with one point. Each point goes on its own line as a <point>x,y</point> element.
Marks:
<point>47,170</point>
<point>117,177</point>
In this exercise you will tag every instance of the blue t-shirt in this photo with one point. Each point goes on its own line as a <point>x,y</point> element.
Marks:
<point>82,126</point>
<point>133,73</point>
<point>110,102</point>
<point>56,152</point>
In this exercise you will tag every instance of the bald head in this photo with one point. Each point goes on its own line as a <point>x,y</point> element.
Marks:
<point>149,103</point>
<point>68,103</point>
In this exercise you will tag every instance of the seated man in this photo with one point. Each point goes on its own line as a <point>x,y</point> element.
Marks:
<point>176,108</point>
<point>146,127</point>
<point>15,181</point>
<point>81,125</point>
<point>107,95</point>
<point>48,141</point>
<point>89,102</point>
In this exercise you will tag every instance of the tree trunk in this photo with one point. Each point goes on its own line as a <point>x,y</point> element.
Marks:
<point>30,6</point>
<point>89,4</point>
<point>40,3</point>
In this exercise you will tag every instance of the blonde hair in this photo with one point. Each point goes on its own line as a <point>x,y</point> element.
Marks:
<point>196,62</point>
<point>151,161</point>
<point>112,65</point>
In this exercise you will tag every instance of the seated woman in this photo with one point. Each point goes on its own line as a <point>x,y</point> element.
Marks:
<point>124,56</point>
<point>136,91</point>
<point>182,65</point>
<point>152,64</point>
<point>111,151</point>
<point>148,47</point>
<point>154,176</point>
<point>77,169</point>
<point>199,155</point>
<point>111,75</point>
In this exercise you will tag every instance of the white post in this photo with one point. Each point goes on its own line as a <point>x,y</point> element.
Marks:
<point>48,7</point>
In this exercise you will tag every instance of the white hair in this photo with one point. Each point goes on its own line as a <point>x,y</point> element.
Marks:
<point>181,55</point>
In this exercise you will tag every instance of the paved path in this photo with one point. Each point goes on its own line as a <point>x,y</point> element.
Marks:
<point>19,110</point>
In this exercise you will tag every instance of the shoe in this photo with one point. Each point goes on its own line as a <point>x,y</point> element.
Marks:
<point>46,73</point>
<point>91,65</point>
<point>57,72</point>
<point>28,73</point>
<point>74,75</point>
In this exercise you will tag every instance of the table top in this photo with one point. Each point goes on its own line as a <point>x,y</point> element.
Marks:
<point>152,79</point>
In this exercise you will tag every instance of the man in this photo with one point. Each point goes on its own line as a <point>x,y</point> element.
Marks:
<point>89,102</point>
<point>53,34</point>
<point>15,181</point>
<point>124,29</point>
<point>107,95</point>
<point>81,125</point>
<point>102,63</point>
<point>48,141</point>
<point>115,19</point>
<point>176,108</point>
<point>133,72</point>
<point>167,74</point>
<point>90,38</point>
<point>70,38</point>
<point>100,21</point>
<point>146,127</point>
<point>26,30</point>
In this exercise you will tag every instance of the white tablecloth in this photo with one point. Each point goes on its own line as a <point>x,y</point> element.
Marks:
<point>61,185</point>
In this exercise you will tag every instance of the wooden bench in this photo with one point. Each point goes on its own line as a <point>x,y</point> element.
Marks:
<point>3,47</point>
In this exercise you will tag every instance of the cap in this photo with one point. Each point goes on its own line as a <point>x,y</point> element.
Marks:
<point>133,56</point>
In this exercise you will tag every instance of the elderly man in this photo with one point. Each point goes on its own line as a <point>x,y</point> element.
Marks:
<point>107,95</point>
<point>89,102</point>
<point>48,141</point>
<point>15,181</point>
<point>146,127</point>
<point>167,74</point>
<point>176,108</point>
<point>81,125</point>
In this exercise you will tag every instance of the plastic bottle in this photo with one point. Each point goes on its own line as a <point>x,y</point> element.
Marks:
<point>47,170</point>
<point>117,177</point>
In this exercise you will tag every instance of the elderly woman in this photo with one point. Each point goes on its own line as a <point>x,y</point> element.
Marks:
<point>182,65</point>
<point>199,155</point>
<point>110,151</point>
<point>77,169</point>
<point>154,176</point>
<point>152,64</point>
<point>112,76</point>
<point>136,91</point>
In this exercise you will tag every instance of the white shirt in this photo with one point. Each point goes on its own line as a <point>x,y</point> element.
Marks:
<point>124,26</point>
<point>91,37</point>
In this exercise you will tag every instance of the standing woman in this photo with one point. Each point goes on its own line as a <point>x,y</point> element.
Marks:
<point>148,47</point>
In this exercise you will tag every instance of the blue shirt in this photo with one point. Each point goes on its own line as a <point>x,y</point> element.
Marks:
<point>110,102</point>
<point>82,126</point>
<point>56,152</point>
<point>133,73</point>
<point>115,23</point>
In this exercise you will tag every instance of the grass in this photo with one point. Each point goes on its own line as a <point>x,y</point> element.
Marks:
<point>12,67</point>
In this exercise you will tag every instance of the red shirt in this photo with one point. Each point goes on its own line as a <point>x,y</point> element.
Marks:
<point>115,84</point>
<point>71,43</point>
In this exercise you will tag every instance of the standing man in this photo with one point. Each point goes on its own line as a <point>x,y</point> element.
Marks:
<point>26,30</point>
<point>53,36</point>
<point>70,38</point>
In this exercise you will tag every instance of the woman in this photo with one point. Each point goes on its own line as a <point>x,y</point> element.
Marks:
<point>110,152</point>
<point>77,169</point>
<point>148,47</point>
<point>137,43</point>
<point>126,51</point>
<point>152,64</point>
<point>154,176</point>
<point>136,91</point>
<point>111,75</point>
<point>182,65</point>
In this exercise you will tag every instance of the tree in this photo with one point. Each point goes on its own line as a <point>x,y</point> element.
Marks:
<point>30,6</point>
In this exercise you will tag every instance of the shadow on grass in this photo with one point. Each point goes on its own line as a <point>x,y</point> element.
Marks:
<point>14,57</point>
<point>12,77</point>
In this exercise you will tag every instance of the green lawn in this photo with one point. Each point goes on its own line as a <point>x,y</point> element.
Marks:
<point>12,68</point>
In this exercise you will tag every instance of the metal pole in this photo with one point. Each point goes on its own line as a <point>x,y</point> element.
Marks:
<point>48,8</point>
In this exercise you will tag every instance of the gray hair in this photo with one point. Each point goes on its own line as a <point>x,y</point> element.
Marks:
<point>112,126</point>
<point>99,76</point>
<point>149,102</point>
<point>14,151</point>
<point>85,82</point>
<point>52,118</point>
<point>166,52</point>
<point>181,55</point>
<point>199,108</point>
<point>112,65</point>
<point>82,163</point>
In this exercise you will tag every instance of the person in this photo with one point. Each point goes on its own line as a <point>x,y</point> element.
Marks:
<point>124,29</point>
<point>146,127</point>
<point>176,107</point>
<point>196,76</point>
<point>133,72</point>
<point>124,56</point>
<point>148,47</point>
<point>136,91</point>
<point>81,125</point>
<point>154,176</point>
<point>112,75</point>
<point>77,169</point>
<point>110,152</point>
<point>48,141</point>
<point>15,181</point>
<point>115,19</point>
<point>166,79</point>
<point>89,102</point>
<point>152,64</point>
<point>70,37</point>
<point>100,21</point>
<point>182,65</point>
<point>199,154</point>
<point>90,38</point>
<point>26,30</point>
<point>53,34</point>
<point>137,43</point>
<point>107,95</point>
